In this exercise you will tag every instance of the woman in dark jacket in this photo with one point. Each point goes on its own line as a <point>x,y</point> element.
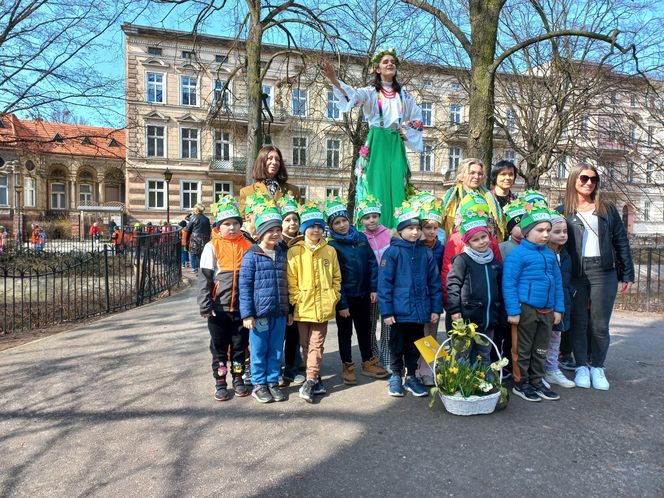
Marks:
<point>198,234</point>
<point>601,258</point>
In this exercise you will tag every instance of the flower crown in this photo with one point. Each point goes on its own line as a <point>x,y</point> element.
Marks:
<point>382,53</point>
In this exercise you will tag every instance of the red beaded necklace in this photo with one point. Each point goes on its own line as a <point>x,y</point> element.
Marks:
<point>389,94</point>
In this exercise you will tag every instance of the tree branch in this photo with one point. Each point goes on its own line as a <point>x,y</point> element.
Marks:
<point>445,20</point>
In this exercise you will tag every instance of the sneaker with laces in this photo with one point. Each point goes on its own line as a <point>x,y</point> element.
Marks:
<point>307,391</point>
<point>598,379</point>
<point>276,393</point>
<point>526,391</point>
<point>567,363</point>
<point>582,378</point>
<point>319,388</point>
<point>394,387</point>
<point>262,394</point>
<point>414,386</point>
<point>240,388</point>
<point>546,393</point>
<point>558,378</point>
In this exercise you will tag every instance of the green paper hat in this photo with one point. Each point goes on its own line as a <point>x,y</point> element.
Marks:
<point>288,204</point>
<point>368,205</point>
<point>556,217</point>
<point>474,217</point>
<point>432,210</point>
<point>253,199</point>
<point>334,207</point>
<point>530,196</point>
<point>267,213</point>
<point>514,210</point>
<point>226,207</point>
<point>423,196</point>
<point>408,210</point>
<point>472,201</point>
<point>311,211</point>
<point>536,212</point>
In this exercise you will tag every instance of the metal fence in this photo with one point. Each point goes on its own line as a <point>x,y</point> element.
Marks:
<point>41,289</point>
<point>647,293</point>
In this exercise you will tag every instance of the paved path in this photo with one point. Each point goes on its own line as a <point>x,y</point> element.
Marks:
<point>123,407</point>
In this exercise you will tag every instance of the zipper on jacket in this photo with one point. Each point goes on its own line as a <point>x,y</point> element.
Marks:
<point>234,275</point>
<point>488,292</point>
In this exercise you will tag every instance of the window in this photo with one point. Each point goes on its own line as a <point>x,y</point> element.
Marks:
<point>156,194</point>
<point>333,149</point>
<point>189,143</point>
<point>30,192</point>
<point>155,87</point>
<point>332,105</point>
<point>188,86</point>
<point>86,141</point>
<point>633,102</point>
<point>84,193</point>
<point>455,114</point>
<point>614,98</point>
<point>646,210</point>
<point>510,155</point>
<point>561,171</point>
<point>222,145</point>
<point>650,171</point>
<point>4,191</point>
<point>427,113</point>
<point>304,191</point>
<point>221,59</point>
<point>58,138</point>
<point>455,86</point>
<point>630,172</point>
<point>454,158</point>
<point>299,102</point>
<point>58,197</point>
<point>222,188</point>
<point>267,95</point>
<point>113,143</point>
<point>610,168</point>
<point>585,125</point>
<point>189,194</point>
<point>632,135</point>
<point>154,51</point>
<point>155,141</point>
<point>510,120</point>
<point>651,134</point>
<point>299,151</point>
<point>426,158</point>
<point>332,191</point>
<point>187,54</point>
<point>219,99</point>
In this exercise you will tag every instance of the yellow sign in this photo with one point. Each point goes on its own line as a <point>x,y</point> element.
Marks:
<point>428,346</point>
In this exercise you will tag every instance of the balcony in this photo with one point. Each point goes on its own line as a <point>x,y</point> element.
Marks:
<point>239,112</point>
<point>234,164</point>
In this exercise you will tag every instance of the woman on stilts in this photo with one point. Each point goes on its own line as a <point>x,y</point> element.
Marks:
<point>394,119</point>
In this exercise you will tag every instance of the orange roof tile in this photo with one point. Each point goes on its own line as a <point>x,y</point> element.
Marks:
<point>39,136</point>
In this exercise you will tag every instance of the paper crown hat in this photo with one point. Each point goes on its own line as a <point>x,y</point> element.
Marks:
<point>536,212</point>
<point>311,212</point>
<point>533,196</point>
<point>556,217</point>
<point>226,207</point>
<point>267,213</point>
<point>253,199</point>
<point>409,210</point>
<point>368,205</point>
<point>424,196</point>
<point>514,210</point>
<point>432,210</point>
<point>288,204</point>
<point>473,217</point>
<point>335,206</point>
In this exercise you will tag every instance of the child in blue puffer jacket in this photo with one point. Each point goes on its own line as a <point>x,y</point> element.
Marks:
<point>264,303</point>
<point>409,296</point>
<point>533,294</point>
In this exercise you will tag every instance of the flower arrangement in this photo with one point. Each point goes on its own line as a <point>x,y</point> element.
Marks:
<point>465,377</point>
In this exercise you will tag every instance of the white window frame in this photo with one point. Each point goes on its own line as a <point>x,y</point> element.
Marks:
<point>630,171</point>
<point>61,195</point>
<point>219,139</point>
<point>156,85</point>
<point>269,90</point>
<point>195,94</point>
<point>454,158</point>
<point>510,120</point>
<point>89,196</point>
<point>334,191</point>
<point>455,113</point>
<point>4,189</point>
<point>155,138</point>
<point>332,109</point>
<point>426,158</point>
<point>561,167</point>
<point>217,189</point>
<point>584,129</point>
<point>188,192</point>
<point>632,135</point>
<point>299,99</point>
<point>302,151</point>
<point>647,206</point>
<point>30,189</point>
<point>216,91</point>
<point>159,187</point>
<point>427,113</point>
<point>190,141</point>
<point>333,153</point>
<point>651,134</point>
<point>650,172</point>
<point>303,191</point>
<point>510,155</point>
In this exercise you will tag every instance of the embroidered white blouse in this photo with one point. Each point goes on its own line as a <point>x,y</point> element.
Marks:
<point>397,112</point>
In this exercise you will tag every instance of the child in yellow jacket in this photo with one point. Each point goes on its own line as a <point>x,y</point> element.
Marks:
<point>314,288</point>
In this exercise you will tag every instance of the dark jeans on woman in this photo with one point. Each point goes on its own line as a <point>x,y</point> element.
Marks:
<point>360,315</point>
<point>402,346</point>
<point>591,312</point>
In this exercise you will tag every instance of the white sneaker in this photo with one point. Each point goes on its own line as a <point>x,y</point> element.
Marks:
<point>546,383</point>
<point>582,378</point>
<point>557,377</point>
<point>599,379</point>
<point>299,379</point>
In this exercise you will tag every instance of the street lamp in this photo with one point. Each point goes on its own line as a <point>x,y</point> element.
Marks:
<point>19,190</point>
<point>168,174</point>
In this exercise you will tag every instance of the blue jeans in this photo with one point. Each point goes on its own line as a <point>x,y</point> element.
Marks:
<point>267,345</point>
<point>195,260</point>
<point>185,257</point>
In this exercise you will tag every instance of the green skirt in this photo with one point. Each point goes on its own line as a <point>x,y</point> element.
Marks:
<point>382,170</point>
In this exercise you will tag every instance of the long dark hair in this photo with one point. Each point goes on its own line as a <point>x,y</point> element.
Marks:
<point>377,84</point>
<point>260,166</point>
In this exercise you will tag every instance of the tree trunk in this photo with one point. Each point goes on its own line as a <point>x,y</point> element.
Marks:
<point>254,89</point>
<point>484,15</point>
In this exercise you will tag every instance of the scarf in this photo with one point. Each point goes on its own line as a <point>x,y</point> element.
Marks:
<point>429,243</point>
<point>350,238</point>
<point>451,202</point>
<point>481,258</point>
<point>272,186</point>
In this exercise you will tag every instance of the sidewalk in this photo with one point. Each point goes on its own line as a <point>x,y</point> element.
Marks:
<point>124,407</point>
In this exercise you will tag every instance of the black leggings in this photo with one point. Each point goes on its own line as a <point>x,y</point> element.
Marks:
<point>226,330</point>
<point>360,315</point>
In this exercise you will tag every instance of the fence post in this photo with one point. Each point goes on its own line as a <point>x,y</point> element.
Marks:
<point>648,278</point>
<point>137,248</point>
<point>108,290</point>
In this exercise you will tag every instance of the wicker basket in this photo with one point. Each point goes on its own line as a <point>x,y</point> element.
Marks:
<point>456,404</point>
